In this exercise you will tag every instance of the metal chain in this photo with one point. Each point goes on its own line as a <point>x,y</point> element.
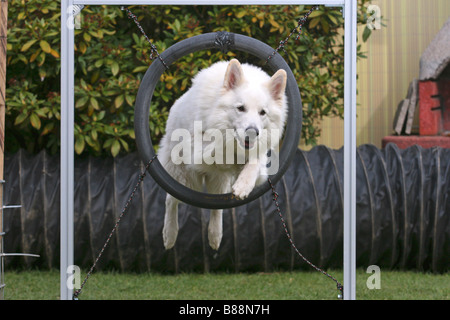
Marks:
<point>153,50</point>
<point>124,211</point>
<point>298,29</point>
<point>340,287</point>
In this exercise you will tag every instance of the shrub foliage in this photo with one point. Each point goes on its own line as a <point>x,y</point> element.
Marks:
<point>112,57</point>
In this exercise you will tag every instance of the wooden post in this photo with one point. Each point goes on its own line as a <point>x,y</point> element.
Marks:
<point>3,32</point>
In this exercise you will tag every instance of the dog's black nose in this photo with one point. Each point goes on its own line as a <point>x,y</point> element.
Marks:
<point>252,131</point>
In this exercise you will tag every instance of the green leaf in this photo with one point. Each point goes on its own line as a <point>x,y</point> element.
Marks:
<point>130,99</point>
<point>35,121</point>
<point>47,129</point>
<point>316,13</point>
<point>81,102</point>
<point>325,26</point>
<point>118,101</point>
<point>131,134</point>
<point>27,45</point>
<point>89,141</point>
<point>101,115</point>
<point>314,22</point>
<point>332,18</point>
<point>274,23</point>
<point>86,36</point>
<point>115,68</point>
<point>42,112</point>
<point>83,84</point>
<point>124,144</point>
<point>79,144</point>
<point>98,63</point>
<point>366,34</point>
<point>20,118</point>
<point>240,14</point>
<point>140,69</point>
<point>54,53</point>
<point>95,77</point>
<point>115,148</point>
<point>177,25</point>
<point>35,55</point>
<point>94,103</point>
<point>108,143</point>
<point>94,135</point>
<point>45,46</point>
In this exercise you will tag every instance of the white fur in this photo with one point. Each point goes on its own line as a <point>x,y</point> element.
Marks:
<point>213,101</point>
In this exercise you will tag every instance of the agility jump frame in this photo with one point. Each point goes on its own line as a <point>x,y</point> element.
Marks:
<point>349,10</point>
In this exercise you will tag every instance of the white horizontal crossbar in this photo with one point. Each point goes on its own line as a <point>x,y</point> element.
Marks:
<point>206,2</point>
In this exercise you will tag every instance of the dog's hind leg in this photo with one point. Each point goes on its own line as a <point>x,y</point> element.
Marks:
<point>215,229</point>
<point>170,230</point>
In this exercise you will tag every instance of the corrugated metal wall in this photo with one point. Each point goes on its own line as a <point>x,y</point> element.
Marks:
<point>393,55</point>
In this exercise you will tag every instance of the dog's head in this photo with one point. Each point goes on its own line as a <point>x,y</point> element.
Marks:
<point>255,102</point>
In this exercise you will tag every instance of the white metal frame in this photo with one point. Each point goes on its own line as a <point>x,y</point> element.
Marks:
<point>67,124</point>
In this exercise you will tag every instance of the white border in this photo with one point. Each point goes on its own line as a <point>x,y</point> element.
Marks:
<point>67,126</point>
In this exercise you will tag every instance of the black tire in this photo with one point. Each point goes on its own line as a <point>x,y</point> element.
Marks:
<point>223,41</point>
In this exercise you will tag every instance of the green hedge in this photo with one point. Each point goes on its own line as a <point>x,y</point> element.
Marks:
<point>112,56</point>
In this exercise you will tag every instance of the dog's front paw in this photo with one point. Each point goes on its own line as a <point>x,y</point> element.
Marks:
<point>242,188</point>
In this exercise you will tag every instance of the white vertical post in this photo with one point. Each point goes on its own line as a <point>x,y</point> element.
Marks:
<point>350,16</point>
<point>67,144</point>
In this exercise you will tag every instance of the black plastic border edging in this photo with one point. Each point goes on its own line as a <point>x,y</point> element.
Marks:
<point>222,41</point>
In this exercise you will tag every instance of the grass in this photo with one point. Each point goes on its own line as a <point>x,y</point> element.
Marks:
<point>395,285</point>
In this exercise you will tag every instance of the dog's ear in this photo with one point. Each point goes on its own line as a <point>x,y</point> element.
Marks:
<point>234,75</point>
<point>277,84</point>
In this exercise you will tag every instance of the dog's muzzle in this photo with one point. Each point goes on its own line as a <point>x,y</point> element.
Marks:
<point>251,135</point>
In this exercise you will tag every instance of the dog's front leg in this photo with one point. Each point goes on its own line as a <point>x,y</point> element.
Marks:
<point>216,184</point>
<point>246,180</point>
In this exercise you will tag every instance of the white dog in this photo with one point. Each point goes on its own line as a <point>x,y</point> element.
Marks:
<point>218,134</point>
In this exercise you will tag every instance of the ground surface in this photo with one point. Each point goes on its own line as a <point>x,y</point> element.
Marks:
<point>37,285</point>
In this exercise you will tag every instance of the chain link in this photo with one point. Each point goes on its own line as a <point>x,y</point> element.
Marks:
<point>298,29</point>
<point>153,50</point>
<point>277,205</point>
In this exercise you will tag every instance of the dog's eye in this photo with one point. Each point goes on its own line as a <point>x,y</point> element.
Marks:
<point>241,108</point>
<point>262,112</point>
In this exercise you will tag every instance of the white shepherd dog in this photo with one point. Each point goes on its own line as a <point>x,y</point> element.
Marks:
<point>218,134</point>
